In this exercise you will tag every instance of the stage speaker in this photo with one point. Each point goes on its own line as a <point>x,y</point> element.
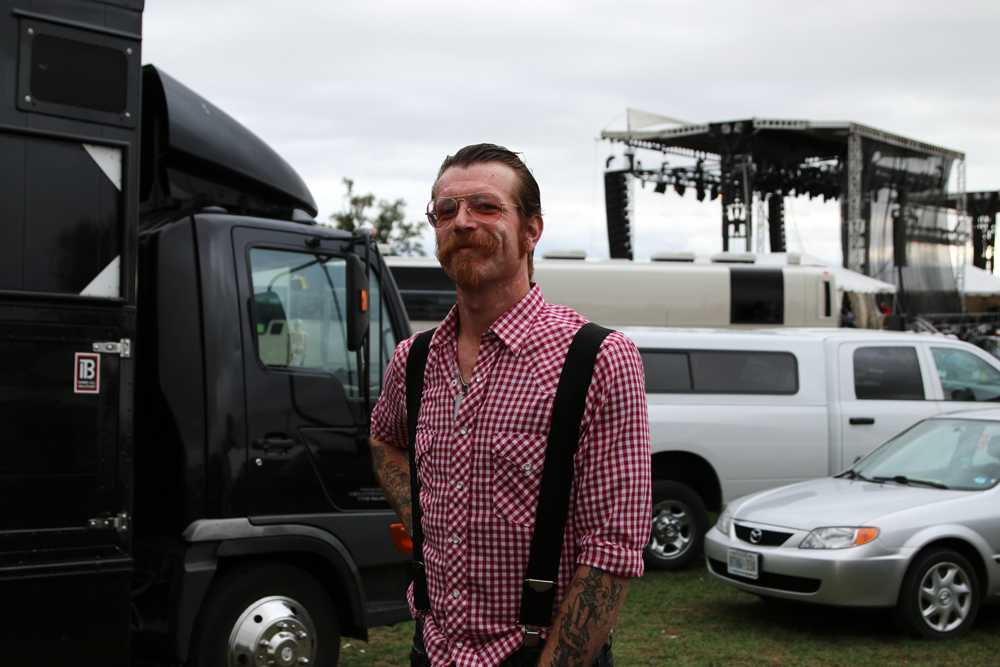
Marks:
<point>899,237</point>
<point>616,203</point>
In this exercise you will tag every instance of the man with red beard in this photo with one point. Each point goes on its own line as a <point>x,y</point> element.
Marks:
<point>489,384</point>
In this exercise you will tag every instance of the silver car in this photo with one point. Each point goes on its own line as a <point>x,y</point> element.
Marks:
<point>914,526</point>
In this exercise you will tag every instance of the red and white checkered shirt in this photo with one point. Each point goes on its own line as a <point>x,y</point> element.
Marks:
<point>480,468</point>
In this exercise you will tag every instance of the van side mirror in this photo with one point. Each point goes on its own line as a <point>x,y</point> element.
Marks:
<point>358,305</point>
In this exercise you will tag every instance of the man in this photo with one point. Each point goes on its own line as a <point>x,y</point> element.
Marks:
<point>489,386</point>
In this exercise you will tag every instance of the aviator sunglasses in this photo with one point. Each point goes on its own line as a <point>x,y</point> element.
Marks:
<point>483,206</point>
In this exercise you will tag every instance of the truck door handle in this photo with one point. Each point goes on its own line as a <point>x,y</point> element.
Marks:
<point>861,420</point>
<point>276,445</point>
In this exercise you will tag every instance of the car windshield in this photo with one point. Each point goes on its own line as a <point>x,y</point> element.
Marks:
<point>954,453</point>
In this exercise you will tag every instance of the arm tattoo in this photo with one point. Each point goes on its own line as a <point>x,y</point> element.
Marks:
<point>592,602</point>
<point>395,481</point>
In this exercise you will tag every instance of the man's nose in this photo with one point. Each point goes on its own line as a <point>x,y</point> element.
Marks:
<point>464,219</point>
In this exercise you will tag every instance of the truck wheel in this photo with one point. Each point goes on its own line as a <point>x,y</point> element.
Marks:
<point>680,522</point>
<point>266,614</point>
<point>939,596</point>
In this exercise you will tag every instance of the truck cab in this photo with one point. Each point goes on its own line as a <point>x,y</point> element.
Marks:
<point>189,364</point>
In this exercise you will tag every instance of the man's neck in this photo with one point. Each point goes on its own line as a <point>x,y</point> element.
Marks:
<point>479,308</point>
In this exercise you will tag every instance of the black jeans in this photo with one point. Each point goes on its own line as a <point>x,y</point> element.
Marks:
<point>522,657</point>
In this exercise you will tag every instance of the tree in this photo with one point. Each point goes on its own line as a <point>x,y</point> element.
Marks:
<point>389,224</point>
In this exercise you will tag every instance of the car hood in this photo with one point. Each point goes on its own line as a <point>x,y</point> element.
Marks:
<point>834,502</point>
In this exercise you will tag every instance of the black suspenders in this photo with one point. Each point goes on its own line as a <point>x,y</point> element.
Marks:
<point>539,589</point>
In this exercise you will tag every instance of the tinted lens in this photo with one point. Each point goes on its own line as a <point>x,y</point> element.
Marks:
<point>485,207</point>
<point>441,210</point>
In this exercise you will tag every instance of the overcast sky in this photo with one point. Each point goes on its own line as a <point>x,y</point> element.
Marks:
<point>381,91</point>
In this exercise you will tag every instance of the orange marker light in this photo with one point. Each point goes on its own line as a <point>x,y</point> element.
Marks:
<point>364,301</point>
<point>865,535</point>
<point>402,540</point>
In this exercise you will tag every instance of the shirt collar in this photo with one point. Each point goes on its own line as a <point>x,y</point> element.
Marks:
<point>511,328</point>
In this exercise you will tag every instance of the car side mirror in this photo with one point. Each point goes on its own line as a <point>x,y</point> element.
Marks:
<point>358,306</point>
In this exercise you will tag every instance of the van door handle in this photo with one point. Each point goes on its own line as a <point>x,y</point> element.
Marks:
<point>861,420</point>
<point>276,445</point>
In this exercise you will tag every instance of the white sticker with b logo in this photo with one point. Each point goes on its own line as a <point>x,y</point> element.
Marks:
<point>87,374</point>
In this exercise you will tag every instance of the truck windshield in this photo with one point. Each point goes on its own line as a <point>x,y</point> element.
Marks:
<point>301,320</point>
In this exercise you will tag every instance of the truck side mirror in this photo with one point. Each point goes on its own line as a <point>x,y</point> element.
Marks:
<point>358,306</point>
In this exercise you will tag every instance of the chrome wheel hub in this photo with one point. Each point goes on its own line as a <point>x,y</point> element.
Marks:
<point>274,631</point>
<point>671,529</point>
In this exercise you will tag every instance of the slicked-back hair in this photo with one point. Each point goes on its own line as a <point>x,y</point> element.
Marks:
<point>525,195</point>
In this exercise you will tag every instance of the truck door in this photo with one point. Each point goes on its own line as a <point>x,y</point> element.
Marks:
<point>882,392</point>
<point>308,451</point>
<point>63,532</point>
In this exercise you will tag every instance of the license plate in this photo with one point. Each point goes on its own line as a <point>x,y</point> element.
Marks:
<point>743,563</point>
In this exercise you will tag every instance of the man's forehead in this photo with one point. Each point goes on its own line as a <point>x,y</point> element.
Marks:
<point>484,177</point>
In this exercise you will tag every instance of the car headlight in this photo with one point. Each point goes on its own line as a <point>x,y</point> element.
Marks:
<point>725,522</point>
<point>838,537</point>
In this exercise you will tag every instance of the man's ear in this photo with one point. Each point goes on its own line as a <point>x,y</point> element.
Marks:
<point>533,231</point>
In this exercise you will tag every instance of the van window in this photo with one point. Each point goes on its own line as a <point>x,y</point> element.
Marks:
<point>966,377</point>
<point>720,372</point>
<point>300,317</point>
<point>887,374</point>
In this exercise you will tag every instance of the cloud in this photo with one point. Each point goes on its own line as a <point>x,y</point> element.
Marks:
<point>381,91</point>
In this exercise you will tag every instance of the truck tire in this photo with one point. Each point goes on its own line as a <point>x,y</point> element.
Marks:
<point>266,613</point>
<point>939,596</point>
<point>679,524</point>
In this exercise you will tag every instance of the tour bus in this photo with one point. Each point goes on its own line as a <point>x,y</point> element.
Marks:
<point>671,290</point>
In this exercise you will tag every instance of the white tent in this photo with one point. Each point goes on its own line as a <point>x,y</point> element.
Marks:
<point>980,283</point>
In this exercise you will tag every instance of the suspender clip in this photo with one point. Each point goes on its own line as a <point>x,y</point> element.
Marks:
<point>532,634</point>
<point>539,585</point>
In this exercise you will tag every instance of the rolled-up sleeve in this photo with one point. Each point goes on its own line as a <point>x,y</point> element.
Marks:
<point>389,415</point>
<point>612,498</point>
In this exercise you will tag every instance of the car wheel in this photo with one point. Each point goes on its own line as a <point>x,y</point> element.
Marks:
<point>939,597</point>
<point>266,614</point>
<point>679,524</point>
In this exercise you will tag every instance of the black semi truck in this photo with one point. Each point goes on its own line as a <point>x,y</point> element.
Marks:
<point>187,368</point>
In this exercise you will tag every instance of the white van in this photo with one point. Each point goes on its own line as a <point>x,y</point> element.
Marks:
<point>733,412</point>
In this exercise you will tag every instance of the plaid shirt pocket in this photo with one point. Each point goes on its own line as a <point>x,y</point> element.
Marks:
<point>518,459</point>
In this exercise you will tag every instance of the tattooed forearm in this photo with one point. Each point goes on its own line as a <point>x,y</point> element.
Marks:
<point>392,469</point>
<point>585,618</point>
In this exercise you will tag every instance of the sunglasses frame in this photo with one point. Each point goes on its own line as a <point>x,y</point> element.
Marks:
<point>431,217</point>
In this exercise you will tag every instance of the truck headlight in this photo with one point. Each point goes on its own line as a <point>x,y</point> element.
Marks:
<point>838,537</point>
<point>725,522</point>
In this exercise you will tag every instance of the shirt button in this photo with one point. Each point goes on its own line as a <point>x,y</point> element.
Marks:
<point>456,593</point>
<point>479,378</point>
<point>459,644</point>
<point>454,383</point>
<point>456,539</point>
<point>463,430</point>
<point>527,466</point>
<point>458,485</point>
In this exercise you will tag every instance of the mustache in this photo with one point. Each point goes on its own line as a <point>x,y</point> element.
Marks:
<point>485,243</point>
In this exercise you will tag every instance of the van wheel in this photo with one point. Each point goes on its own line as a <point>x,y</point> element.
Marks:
<point>939,597</point>
<point>266,614</point>
<point>679,524</point>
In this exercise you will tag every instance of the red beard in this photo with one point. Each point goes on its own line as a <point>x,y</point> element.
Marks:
<point>463,266</point>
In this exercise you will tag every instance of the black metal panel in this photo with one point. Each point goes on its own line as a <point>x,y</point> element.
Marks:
<point>776,222</point>
<point>62,218</point>
<point>75,72</point>
<point>757,296</point>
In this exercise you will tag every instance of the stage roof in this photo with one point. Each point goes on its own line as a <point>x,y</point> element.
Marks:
<point>782,140</point>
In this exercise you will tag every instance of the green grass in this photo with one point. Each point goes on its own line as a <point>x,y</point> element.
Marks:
<point>687,618</point>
